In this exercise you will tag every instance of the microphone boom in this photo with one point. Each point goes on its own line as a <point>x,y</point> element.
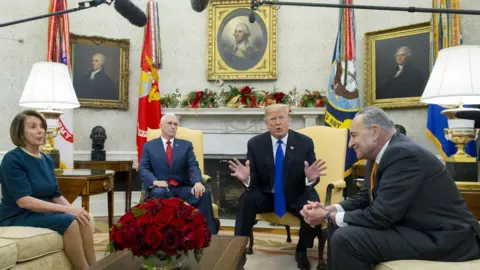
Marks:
<point>131,12</point>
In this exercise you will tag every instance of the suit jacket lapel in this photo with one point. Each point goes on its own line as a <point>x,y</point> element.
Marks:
<point>269,156</point>
<point>176,146</point>
<point>163,154</point>
<point>289,151</point>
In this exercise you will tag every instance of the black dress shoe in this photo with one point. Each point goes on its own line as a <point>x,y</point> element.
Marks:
<point>321,266</point>
<point>302,260</point>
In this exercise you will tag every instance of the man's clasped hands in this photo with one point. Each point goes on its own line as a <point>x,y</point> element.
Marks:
<point>315,213</point>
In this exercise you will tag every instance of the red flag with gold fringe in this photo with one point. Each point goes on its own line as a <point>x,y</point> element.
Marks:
<point>149,111</point>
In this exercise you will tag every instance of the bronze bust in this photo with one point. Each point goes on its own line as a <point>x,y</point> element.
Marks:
<point>98,136</point>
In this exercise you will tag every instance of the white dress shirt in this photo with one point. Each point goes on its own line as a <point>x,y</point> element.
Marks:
<point>165,143</point>
<point>284,147</point>
<point>92,75</point>
<point>340,211</point>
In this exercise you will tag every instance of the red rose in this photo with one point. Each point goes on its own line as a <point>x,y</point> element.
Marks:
<point>173,202</point>
<point>171,242</point>
<point>153,236</point>
<point>189,240</point>
<point>164,218</point>
<point>208,236</point>
<point>198,219</point>
<point>179,225</point>
<point>184,212</point>
<point>126,219</point>
<point>144,219</point>
<point>246,90</point>
<point>199,238</point>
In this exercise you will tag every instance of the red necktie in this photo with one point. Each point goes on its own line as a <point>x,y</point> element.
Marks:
<point>169,151</point>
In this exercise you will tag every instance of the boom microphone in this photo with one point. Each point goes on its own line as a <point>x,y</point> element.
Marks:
<point>131,12</point>
<point>251,16</point>
<point>199,5</point>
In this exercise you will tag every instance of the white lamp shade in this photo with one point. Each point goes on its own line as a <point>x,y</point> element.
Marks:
<point>455,77</point>
<point>49,85</point>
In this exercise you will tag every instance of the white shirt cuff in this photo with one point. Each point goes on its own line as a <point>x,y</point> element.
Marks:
<point>308,183</point>
<point>339,208</point>
<point>339,219</point>
<point>248,182</point>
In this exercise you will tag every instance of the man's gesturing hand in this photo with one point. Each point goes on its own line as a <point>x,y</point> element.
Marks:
<point>239,170</point>
<point>315,170</point>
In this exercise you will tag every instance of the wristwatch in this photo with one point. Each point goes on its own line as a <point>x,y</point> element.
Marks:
<point>329,219</point>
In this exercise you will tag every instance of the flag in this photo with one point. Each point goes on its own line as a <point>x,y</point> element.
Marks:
<point>445,32</point>
<point>59,51</point>
<point>343,96</point>
<point>149,111</point>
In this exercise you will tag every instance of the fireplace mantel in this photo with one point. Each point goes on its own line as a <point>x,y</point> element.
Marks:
<point>239,111</point>
<point>227,130</point>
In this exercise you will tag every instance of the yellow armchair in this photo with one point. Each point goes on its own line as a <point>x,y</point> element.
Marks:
<point>196,138</point>
<point>331,146</point>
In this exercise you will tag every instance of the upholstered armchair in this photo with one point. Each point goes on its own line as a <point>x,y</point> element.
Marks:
<point>330,145</point>
<point>196,138</point>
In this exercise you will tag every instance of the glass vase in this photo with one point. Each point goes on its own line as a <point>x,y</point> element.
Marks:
<point>160,261</point>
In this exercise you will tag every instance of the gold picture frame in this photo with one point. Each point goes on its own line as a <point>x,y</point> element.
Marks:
<point>386,84</point>
<point>100,70</point>
<point>228,25</point>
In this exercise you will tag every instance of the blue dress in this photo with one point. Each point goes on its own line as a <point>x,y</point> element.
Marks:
<point>22,174</point>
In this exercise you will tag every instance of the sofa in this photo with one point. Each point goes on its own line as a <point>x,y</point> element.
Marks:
<point>428,265</point>
<point>25,248</point>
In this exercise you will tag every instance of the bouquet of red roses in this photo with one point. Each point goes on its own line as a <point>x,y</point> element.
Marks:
<point>161,227</point>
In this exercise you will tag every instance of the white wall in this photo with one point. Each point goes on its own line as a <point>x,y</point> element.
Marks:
<point>305,45</point>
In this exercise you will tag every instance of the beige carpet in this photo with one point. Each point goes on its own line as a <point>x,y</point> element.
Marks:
<point>268,248</point>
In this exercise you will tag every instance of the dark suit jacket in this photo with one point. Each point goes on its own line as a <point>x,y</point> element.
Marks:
<point>413,193</point>
<point>101,87</point>
<point>262,167</point>
<point>410,83</point>
<point>154,164</point>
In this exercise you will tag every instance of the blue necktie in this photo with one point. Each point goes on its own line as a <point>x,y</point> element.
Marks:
<point>279,199</point>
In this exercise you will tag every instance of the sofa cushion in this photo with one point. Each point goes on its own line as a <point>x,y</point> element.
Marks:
<point>32,242</point>
<point>428,265</point>
<point>8,253</point>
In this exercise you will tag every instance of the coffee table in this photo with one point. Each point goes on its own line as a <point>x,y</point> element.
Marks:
<point>224,253</point>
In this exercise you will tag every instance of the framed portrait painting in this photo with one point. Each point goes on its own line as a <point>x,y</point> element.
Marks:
<point>100,71</point>
<point>237,48</point>
<point>397,66</point>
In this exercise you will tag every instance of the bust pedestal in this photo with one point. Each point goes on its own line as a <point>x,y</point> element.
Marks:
<point>463,171</point>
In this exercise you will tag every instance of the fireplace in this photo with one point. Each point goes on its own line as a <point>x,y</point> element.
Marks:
<point>226,189</point>
<point>226,132</point>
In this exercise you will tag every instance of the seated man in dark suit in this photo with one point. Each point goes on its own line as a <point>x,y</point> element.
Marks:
<point>280,174</point>
<point>410,208</point>
<point>169,168</point>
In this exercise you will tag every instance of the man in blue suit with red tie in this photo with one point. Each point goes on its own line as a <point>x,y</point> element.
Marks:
<point>168,168</point>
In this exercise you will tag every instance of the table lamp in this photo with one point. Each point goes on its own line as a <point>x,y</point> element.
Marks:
<point>454,82</point>
<point>49,89</point>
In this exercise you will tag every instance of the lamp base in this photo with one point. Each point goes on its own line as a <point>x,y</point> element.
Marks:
<point>463,171</point>
<point>55,155</point>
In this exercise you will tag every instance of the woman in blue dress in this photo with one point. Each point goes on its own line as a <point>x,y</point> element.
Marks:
<point>30,191</point>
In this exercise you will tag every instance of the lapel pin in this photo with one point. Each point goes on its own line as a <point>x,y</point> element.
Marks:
<point>176,145</point>
<point>291,147</point>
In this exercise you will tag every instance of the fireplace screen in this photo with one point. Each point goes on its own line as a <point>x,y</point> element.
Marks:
<point>226,189</point>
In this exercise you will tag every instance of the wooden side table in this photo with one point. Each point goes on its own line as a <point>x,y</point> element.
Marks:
<point>125,166</point>
<point>86,182</point>
<point>471,193</point>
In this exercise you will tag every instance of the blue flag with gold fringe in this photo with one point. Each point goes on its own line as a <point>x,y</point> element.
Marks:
<point>343,96</point>
<point>445,33</point>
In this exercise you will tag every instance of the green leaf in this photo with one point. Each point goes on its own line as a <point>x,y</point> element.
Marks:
<point>138,212</point>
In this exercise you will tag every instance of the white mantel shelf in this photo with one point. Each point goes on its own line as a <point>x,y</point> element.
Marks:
<point>239,111</point>
<point>226,131</point>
